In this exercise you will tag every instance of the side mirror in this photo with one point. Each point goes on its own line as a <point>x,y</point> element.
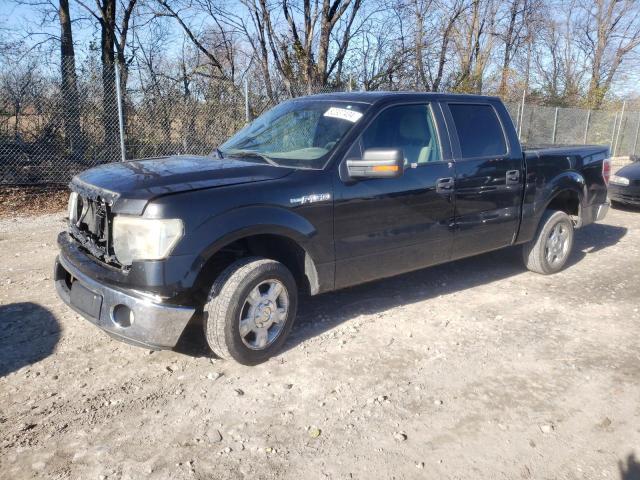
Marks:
<point>377,163</point>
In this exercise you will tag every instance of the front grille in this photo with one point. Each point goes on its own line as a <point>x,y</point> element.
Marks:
<point>89,224</point>
<point>625,198</point>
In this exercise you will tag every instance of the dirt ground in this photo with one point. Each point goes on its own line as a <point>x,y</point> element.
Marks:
<point>21,200</point>
<point>476,369</point>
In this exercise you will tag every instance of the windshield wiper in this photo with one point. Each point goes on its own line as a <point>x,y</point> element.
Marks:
<point>253,154</point>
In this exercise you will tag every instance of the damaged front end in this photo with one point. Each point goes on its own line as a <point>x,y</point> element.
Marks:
<point>89,278</point>
<point>90,222</point>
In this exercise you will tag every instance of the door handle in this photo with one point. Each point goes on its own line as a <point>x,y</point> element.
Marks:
<point>444,185</point>
<point>513,177</point>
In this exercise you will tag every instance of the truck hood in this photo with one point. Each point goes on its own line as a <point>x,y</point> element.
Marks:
<point>129,186</point>
<point>632,171</point>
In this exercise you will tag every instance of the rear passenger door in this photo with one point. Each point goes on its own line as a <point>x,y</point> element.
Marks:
<point>488,180</point>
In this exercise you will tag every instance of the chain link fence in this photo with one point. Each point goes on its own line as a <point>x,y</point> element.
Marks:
<point>541,125</point>
<point>50,131</point>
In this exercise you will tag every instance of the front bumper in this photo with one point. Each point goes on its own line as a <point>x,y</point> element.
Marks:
<point>151,324</point>
<point>629,195</point>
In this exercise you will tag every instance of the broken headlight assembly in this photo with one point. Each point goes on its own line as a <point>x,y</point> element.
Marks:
<point>136,238</point>
<point>73,208</point>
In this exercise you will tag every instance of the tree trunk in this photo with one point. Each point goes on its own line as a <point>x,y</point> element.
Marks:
<point>465,82</point>
<point>70,99</point>
<point>419,44</point>
<point>123,65</point>
<point>323,46</point>
<point>109,99</point>
<point>264,58</point>
<point>508,47</point>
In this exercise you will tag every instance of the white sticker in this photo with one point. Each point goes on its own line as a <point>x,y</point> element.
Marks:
<point>343,113</point>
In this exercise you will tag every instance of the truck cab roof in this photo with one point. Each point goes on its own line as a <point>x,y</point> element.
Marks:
<point>379,96</point>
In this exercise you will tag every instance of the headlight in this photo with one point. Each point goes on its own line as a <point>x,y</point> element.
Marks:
<point>73,208</point>
<point>615,179</point>
<point>136,238</point>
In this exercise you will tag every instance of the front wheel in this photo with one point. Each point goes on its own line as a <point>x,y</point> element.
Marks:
<point>251,309</point>
<point>549,251</point>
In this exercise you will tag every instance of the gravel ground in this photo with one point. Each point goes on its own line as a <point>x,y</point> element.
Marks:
<point>476,369</point>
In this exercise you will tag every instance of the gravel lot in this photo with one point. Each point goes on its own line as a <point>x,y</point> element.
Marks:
<point>476,369</point>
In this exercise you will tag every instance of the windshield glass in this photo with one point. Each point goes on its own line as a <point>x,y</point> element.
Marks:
<point>298,133</point>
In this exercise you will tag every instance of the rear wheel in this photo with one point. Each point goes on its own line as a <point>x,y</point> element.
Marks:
<point>549,251</point>
<point>251,310</point>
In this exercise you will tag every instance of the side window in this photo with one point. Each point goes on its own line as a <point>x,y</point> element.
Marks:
<point>407,127</point>
<point>479,130</point>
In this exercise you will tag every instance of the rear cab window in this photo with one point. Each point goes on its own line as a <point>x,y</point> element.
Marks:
<point>479,130</point>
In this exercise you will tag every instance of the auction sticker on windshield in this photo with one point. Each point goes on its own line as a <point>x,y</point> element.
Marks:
<point>343,113</point>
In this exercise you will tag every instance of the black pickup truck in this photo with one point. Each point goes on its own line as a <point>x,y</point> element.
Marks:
<point>319,193</point>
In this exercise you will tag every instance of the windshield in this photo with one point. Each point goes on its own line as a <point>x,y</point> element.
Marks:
<point>298,133</point>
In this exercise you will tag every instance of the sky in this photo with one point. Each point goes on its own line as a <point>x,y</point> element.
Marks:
<point>16,19</point>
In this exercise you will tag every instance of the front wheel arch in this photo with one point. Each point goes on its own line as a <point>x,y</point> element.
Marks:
<point>278,246</point>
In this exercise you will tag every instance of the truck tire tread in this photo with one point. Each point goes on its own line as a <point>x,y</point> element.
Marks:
<point>221,300</point>
<point>533,251</point>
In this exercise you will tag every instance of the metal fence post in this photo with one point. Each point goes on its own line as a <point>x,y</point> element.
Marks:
<point>615,148</point>
<point>524,94</point>
<point>555,126</point>
<point>586,127</point>
<point>613,133</point>
<point>635,140</point>
<point>123,154</point>
<point>247,114</point>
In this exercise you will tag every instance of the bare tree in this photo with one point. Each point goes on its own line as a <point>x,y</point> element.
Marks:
<point>380,57</point>
<point>435,26</point>
<point>19,86</point>
<point>475,40</point>
<point>520,16</point>
<point>252,23</point>
<point>421,9</point>
<point>214,49</point>
<point>303,50</point>
<point>611,32</point>
<point>113,40</point>
<point>50,12</point>
<point>107,20</point>
<point>559,64</point>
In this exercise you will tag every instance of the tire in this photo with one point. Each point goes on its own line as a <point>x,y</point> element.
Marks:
<point>545,255</point>
<point>233,300</point>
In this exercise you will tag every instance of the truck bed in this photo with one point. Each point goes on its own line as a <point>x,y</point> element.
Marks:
<point>551,168</point>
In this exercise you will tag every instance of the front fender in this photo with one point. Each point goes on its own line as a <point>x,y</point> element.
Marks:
<point>220,230</point>
<point>255,220</point>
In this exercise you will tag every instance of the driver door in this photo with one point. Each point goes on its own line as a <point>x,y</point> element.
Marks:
<point>387,226</point>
